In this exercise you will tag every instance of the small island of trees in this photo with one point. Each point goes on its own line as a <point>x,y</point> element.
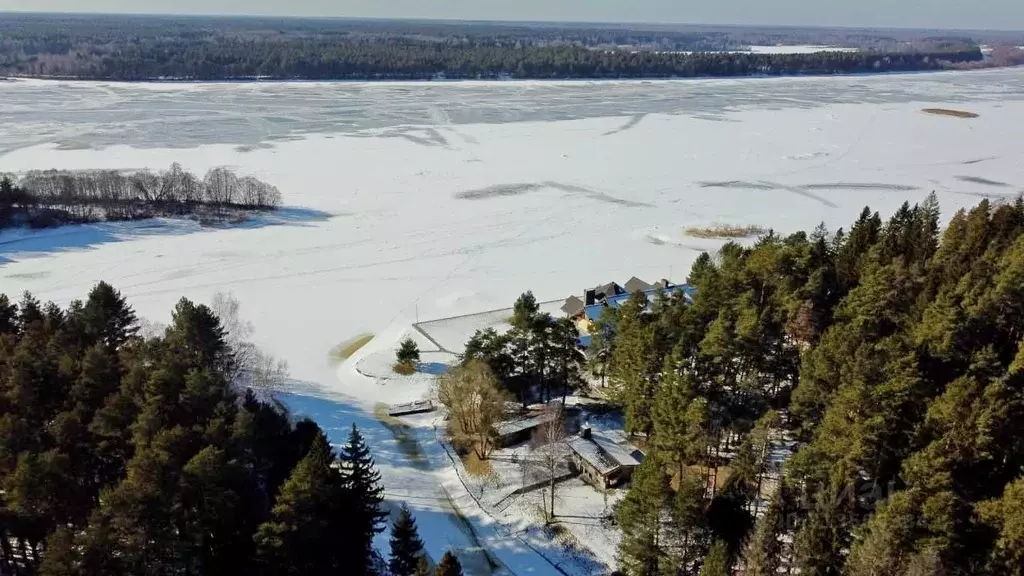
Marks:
<point>44,198</point>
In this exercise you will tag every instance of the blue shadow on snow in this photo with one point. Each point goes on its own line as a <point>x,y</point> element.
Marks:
<point>27,243</point>
<point>432,368</point>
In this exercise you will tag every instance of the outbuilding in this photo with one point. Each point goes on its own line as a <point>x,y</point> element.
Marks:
<point>603,461</point>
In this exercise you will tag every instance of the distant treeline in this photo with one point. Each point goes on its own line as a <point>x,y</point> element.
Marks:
<point>53,197</point>
<point>207,49</point>
<point>225,59</point>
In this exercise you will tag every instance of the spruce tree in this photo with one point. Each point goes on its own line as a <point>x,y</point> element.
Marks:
<point>885,539</point>
<point>198,337</point>
<point>819,541</point>
<point>448,566</point>
<point>119,456</point>
<point>680,421</point>
<point>566,358</point>
<point>97,380</point>
<point>362,480</point>
<point>751,461</point>
<point>406,546</point>
<point>603,334</point>
<point>728,518</point>
<point>408,352</point>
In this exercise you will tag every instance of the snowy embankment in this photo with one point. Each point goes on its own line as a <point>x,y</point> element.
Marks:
<point>426,211</point>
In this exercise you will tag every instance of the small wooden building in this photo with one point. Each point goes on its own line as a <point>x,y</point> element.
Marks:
<point>602,461</point>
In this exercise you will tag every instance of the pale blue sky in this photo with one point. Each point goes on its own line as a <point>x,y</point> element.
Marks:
<point>993,14</point>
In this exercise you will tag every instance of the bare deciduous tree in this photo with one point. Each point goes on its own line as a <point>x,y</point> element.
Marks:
<point>549,449</point>
<point>146,185</point>
<point>267,374</point>
<point>253,368</point>
<point>150,329</point>
<point>474,402</point>
<point>221,186</point>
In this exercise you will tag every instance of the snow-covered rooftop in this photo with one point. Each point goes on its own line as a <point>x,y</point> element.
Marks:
<point>592,454</point>
<point>622,452</point>
<point>519,425</point>
<point>605,451</point>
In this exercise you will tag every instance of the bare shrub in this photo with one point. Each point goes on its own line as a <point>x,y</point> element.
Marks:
<point>949,112</point>
<point>404,368</point>
<point>726,231</point>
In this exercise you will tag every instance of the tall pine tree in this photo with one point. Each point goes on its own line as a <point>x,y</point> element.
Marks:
<point>639,514</point>
<point>632,366</point>
<point>762,555</point>
<point>717,561</point>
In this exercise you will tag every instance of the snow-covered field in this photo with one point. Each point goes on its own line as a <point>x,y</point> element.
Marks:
<point>440,199</point>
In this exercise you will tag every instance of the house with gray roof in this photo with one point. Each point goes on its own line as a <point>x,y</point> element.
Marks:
<point>598,294</point>
<point>573,306</point>
<point>603,460</point>
<point>637,285</point>
<point>586,311</point>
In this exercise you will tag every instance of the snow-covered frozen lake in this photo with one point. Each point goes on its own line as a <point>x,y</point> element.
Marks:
<point>456,197</point>
<point>438,199</point>
<point>88,114</point>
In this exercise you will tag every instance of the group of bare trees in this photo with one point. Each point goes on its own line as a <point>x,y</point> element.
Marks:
<point>87,196</point>
<point>253,368</point>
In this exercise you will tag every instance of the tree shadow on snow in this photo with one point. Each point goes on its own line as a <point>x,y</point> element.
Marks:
<point>20,243</point>
<point>335,414</point>
<point>432,368</point>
